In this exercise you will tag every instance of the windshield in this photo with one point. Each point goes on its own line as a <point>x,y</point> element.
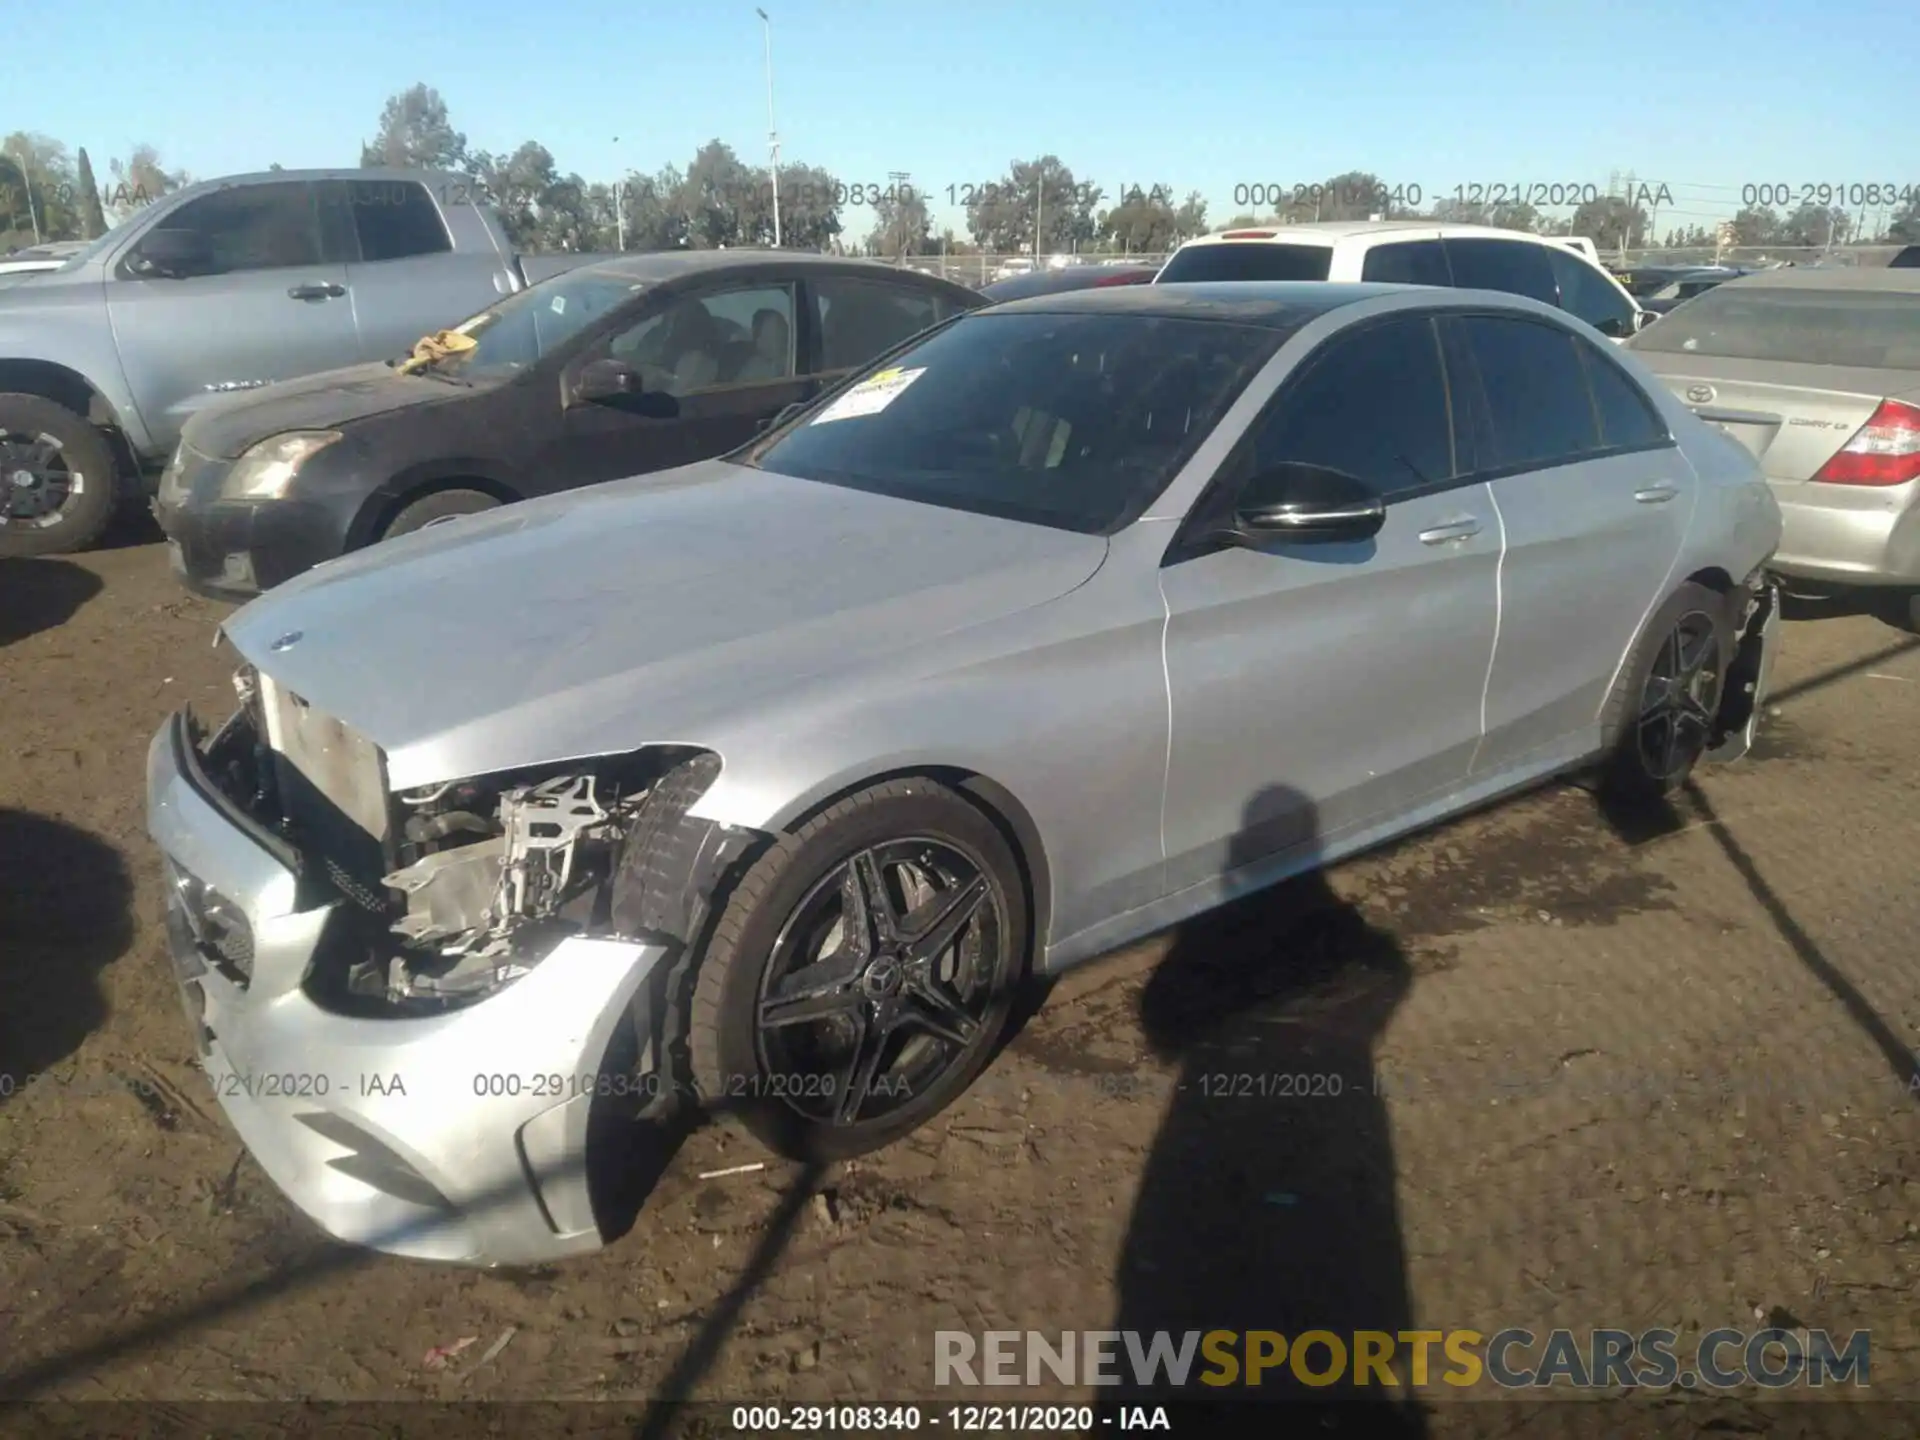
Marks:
<point>1076,421</point>
<point>1247,260</point>
<point>522,328</point>
<point>1875,330</point>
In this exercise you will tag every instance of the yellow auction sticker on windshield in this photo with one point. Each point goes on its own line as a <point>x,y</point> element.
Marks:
<point>871,395</point>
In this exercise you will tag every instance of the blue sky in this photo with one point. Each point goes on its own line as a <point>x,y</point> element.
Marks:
<point>1196,94</point>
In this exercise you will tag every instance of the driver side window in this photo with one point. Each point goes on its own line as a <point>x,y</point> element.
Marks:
<point>1586,293</point>
<point>1370,404</point>
<point>707,342</point>
<point>254,227</point>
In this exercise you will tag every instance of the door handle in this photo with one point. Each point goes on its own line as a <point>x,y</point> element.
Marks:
<point>328,291</point>
<point>1463,529</point>
<point>1656,494</point>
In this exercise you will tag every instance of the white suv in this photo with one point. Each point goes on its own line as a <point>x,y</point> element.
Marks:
<point>1414,252</point>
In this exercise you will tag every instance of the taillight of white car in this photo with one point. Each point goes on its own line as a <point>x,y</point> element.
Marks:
<point>1884,451</point>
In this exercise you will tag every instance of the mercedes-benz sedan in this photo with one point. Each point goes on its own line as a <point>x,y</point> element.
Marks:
<point>767,781</point>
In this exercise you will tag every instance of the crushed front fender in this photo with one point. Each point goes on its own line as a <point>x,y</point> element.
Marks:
<point>1743,697</point>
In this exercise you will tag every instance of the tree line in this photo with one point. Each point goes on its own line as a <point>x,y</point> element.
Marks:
<point>719,199</point>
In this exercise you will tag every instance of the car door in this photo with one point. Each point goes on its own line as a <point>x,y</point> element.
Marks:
<point>405,276</point>
<point>726,354</point>
<point>853,319</point>
<point>1516,267</point>
<point>1322,689</point>
<point>1586,291</point>
<point>270,305</point>
<point>1594,497</point>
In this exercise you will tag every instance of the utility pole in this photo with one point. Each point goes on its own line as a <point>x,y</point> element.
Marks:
<point>773,132</point>
<point>620,201</point>
<point>899,189</point>
<point>1039,211</point>
<point>26,179</point>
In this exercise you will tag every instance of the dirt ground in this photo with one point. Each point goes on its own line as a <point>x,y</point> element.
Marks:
<point>1590,1076</point>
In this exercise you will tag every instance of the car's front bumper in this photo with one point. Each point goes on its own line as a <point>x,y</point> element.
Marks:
<point>462,1136</point>
<point>1849,534</point>
<point>233,549</point>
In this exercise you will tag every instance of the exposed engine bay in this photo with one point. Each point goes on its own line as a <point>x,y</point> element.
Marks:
<point>459,888</point>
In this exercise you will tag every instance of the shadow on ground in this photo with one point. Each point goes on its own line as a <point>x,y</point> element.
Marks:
<point>1268,1199</point>
<point>40,594</point>
<point>66,906</point>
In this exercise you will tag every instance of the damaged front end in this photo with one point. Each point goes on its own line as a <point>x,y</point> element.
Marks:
<point>453,891</point>
<point>1743,695</point>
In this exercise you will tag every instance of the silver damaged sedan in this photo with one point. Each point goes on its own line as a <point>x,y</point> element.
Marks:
<point>768,782</point>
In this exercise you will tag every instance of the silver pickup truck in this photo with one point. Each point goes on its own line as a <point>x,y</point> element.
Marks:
<point>224,286</point>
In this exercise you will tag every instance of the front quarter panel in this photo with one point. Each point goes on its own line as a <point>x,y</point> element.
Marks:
<point>62,320</point>
<point>1063,707</point>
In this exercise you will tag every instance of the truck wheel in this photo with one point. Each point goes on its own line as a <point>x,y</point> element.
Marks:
<point>57,478</point>
<point>432,509</point>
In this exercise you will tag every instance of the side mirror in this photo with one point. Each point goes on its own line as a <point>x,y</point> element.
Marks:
<point>607,381</point>
<point>173,254</point>
<point>1295,502</point>
<point>1643,318</point>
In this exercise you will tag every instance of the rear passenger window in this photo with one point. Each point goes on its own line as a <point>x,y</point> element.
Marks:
<point>1591,296</point>
<point>1371,404</point>
<point>1411,262</point>
<point>1517,267</point>
<point>1535,392</point>
<point>1628,420</point>
<point>859,319</point>
<point>396,220</point>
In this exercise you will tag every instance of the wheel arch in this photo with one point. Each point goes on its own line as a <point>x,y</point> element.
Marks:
<point>420,481</point>
<point>73,391</point>
<point>988,795</point>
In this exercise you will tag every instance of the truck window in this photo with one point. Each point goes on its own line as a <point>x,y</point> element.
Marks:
<point>254,227</point>
<point>396,220</point>
<point>1587,293</point>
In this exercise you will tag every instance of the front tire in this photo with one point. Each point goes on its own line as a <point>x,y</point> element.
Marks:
<point>58,480</point>
<point>433,509</point>
<point>862,973</point>
<point>1664,713</point>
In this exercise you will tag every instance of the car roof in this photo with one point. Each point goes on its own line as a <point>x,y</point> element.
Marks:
<point>1274,304</point>
<point>1837,278</point>
<point>1330,232</point>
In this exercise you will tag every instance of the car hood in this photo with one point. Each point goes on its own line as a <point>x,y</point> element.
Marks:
<point>644,611</point>
<point>228,428</point>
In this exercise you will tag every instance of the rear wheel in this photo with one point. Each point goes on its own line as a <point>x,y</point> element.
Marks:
<point>57,478</point>
<point>440,506</point>
<point>1901,609</point>
<point>862,972</point>
<point>1669,699</point>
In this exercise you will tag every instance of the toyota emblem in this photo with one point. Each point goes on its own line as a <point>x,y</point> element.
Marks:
<point>1699,394</point>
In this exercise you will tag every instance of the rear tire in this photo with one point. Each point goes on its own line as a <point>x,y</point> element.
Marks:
<point>57,450</point>
<point>432,509</point>
<point>793,988</point>
<point>1901,609</point>
<point>1661,718</point>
